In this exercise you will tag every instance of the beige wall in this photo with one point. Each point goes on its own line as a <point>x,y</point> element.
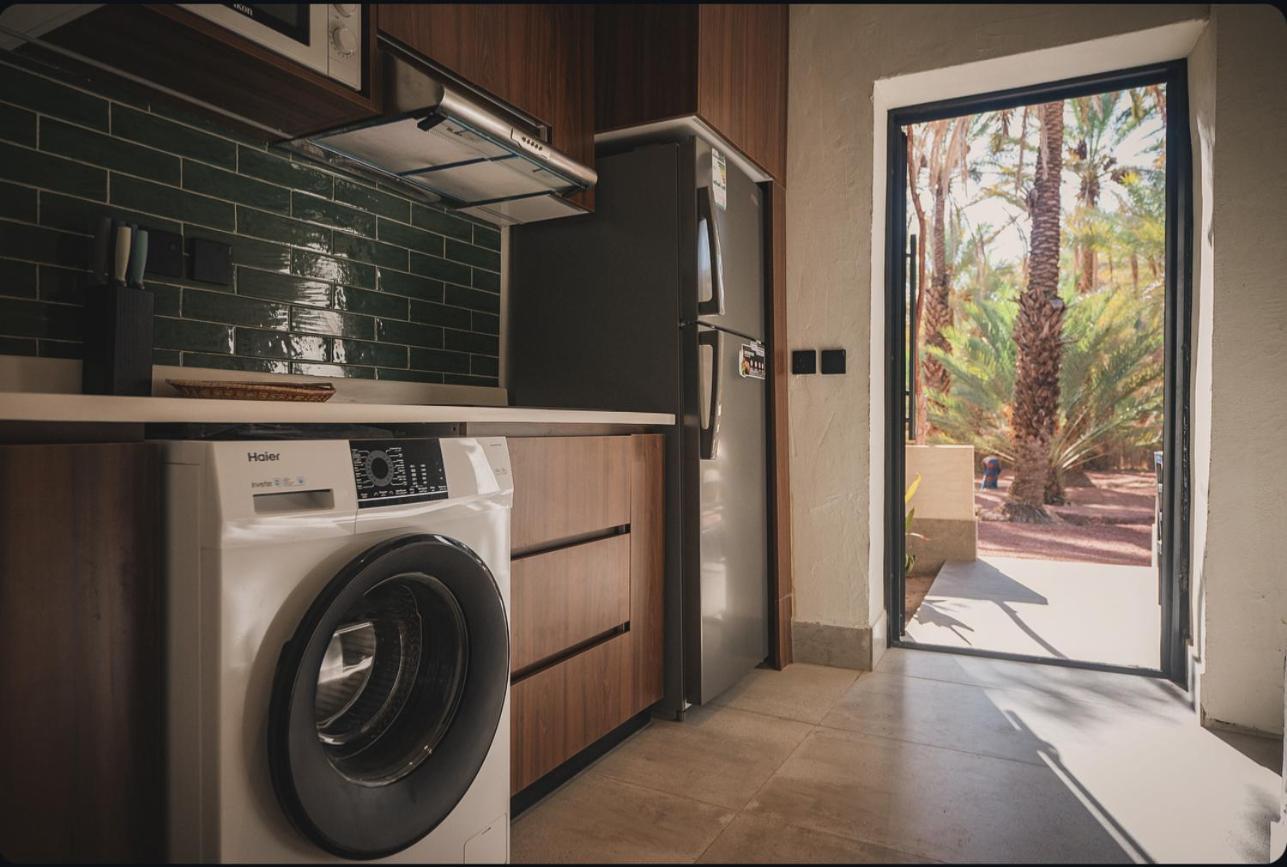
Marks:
<point>946,491</point>
<point>838,53</point>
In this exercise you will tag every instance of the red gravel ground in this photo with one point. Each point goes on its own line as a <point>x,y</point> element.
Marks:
<point>1111,522</point>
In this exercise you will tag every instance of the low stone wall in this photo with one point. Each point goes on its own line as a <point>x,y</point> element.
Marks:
<point>945,525</point>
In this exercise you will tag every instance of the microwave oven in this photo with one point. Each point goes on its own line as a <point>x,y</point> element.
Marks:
<point>325,37</point>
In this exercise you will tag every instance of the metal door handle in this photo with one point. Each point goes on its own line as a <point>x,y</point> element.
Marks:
<point>706,214</point>
<point>709,431</point>
<point>913,337</point>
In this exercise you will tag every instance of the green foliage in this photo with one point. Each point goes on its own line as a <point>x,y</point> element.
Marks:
<point>909,559</point>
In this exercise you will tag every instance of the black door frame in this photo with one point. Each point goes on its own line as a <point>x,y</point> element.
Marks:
<point>1174,562</point>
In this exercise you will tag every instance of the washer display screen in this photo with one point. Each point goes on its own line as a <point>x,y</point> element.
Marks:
<point>398,471</point>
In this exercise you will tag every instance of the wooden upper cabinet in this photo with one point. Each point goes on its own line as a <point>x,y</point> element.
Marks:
<point>727,64</point>
<point>537,58</point>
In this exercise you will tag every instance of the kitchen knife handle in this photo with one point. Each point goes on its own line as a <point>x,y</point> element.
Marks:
<point>138,258</point>
<point>103,250</point>
<point>708,432</point>
<point>121,263</point>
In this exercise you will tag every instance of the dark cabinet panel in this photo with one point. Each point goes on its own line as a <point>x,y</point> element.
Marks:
<point>81,638</point>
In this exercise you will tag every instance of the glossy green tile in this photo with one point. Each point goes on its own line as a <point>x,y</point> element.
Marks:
<point>251,252</point>
<point>235,362</point>
<point>167,300</point>
<point>479,257</point>
<point>103,150</point>
<point>485,323</point>
<point>156,131</point>
<point>410,285</point>
<point>23,318</point>
<point>277,344</point>
<point>168,333</point>
<point>487,237</point>
<point>221,184</point>
<point>411,333</point>
<point>168,357</point>
<point>488,280</point>
<point>409,375</point>
<point>367,250</point>
<point>273,227</point>
<point>440,269</point>
<point>177,204</point>
<point>16,124</point>
<point>17,203</point>
<point>17,279</point>
<point>52,173</point>
<point>371,303</point>
<point>332,322</point>
<point>234,309</point>
<point>78,215</point>
<point>484,365</point>
<point>328,213</point>
<point>440,314</point>
<point>473,299</point>
<point>332,370</point>
<point>49,97</point>
<point>61,349</point>
<point>17,345</point>
<point>283,287</point>
<point>437,359</point>
<point>364,352</point>
<point>20,241</point>
<point>306,263</point>
<point>279,170</point>
<point>413,239</point>
<point>64,285</point>
<point>372,201</point>
<point>468,341</point>
<point>426,217</point>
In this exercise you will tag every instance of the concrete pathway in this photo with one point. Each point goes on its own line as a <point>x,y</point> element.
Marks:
<point>1091,612</point>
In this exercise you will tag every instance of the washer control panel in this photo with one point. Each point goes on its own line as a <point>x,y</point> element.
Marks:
<point>398,471</point>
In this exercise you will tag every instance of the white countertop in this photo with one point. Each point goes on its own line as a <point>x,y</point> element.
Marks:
<point>39,407</point>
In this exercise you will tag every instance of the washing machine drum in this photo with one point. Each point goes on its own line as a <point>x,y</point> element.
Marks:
<point>387,698</point>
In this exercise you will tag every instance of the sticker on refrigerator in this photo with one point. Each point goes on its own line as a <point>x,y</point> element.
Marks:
<point>719,179</point>
<point>750,361</point>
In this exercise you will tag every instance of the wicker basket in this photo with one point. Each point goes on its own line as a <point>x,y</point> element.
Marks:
<point>232,390</point>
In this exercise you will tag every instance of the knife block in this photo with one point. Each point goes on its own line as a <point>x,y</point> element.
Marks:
<point>118,341</point>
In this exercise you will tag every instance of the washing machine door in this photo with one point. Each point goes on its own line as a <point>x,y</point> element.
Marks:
<point>386,700</point>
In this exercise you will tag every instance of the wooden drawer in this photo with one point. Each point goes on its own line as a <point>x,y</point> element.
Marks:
<point>556,713</point>
<point>566,487</point>
<point>567,597</point>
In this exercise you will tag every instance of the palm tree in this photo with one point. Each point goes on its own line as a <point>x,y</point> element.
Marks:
<point>1038,335</point>
<point>946,153</point>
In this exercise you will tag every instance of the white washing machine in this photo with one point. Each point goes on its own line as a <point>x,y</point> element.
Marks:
<point>339,650</point>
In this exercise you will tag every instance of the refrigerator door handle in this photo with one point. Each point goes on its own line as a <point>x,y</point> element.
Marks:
<point>706,215</point>
<point>709,424</point>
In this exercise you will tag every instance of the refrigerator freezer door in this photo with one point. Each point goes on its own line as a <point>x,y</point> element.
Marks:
<point>733,524</point>
<point>730,255</point>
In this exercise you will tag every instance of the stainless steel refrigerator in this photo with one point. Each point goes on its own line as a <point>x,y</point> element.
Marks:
<point>655,302</point>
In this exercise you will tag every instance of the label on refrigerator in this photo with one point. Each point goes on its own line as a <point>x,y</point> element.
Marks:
<point>719,179</point>
<point>750,361</point>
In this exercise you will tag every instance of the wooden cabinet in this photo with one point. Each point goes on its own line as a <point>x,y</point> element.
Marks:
<point>81,636</point>
<point>727,64</point>
<point>585,614</point>
<point>536,58</point>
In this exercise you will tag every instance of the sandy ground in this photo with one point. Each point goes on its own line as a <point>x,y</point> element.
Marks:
<point>1111,522</point>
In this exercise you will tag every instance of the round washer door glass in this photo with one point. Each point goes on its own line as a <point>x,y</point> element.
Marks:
<point>387,699</point>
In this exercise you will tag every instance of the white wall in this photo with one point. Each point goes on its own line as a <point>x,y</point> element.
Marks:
<point>835,185</point>
<point>946,491</point>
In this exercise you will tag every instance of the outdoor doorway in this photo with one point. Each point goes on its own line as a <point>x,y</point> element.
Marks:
<point>1037,271</point>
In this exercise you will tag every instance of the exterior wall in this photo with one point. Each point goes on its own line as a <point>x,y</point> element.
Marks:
<point>945,525</point>
<point>837,53</point>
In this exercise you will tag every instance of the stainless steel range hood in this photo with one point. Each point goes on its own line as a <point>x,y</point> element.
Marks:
<point>454,148</point>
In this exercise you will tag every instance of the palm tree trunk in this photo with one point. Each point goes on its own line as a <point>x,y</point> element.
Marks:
<point>1038,335</point>
<point>938,312</point>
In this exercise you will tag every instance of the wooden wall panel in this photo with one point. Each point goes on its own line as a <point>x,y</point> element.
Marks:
<point>565,597</point>
<point>568,486</point>
<point>645,63</point>
<point>647,565</point>
<point>81,638</point>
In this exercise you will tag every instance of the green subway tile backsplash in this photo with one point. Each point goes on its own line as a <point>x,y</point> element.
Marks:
<point>333,276</point>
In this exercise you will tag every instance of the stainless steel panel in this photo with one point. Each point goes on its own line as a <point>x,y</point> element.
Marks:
<point>733,532</point>
<point>740,228</point>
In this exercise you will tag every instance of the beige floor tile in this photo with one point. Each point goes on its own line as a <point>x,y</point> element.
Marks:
<point>936,802</point>
<point>720,755</point>
<point>800,692</point>
<point>756,840</point>
<point>954,715</point>
<point>597,819</point>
